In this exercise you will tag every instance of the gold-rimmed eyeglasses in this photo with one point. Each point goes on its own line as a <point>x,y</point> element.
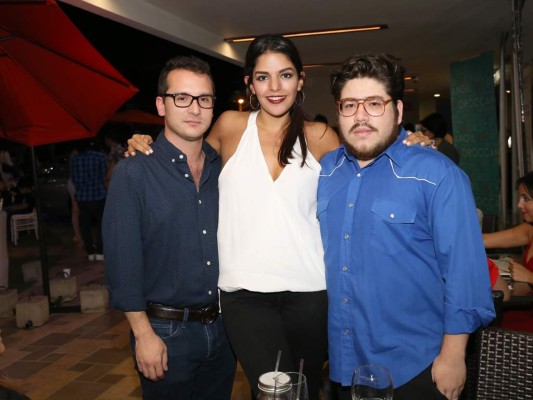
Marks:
<point>374,106</point>
<point>184,100</point>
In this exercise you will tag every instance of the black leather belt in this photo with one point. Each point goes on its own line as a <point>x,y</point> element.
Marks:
<point>204,315</point>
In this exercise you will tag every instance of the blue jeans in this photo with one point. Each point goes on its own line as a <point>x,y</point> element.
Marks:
<point>201,364</point>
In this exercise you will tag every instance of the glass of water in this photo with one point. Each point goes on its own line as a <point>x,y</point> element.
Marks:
<point>372,382</point>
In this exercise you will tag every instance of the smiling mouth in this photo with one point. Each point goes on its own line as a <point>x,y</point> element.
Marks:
<point>276,99</point>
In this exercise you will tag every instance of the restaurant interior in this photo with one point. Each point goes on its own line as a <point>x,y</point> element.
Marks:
<point>76,351</point>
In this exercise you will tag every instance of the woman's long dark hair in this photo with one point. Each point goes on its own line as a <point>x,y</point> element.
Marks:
<point>527,181</point>
<point>278,44</point>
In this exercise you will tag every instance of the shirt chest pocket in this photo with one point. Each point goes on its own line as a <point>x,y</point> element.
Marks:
<point>392,226</point>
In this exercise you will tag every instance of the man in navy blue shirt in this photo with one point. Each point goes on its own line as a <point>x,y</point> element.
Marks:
<point>406,269</point>
<point>160,227</point>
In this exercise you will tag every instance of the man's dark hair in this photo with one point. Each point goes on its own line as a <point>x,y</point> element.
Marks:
<point>382,67</point>
<point>435,123</point>
<point>188,63</point>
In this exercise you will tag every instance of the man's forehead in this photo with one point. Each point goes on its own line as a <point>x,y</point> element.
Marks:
<point>185,81</point>
<point>364,85</point>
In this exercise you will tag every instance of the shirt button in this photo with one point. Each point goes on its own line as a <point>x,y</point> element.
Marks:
<point>346,331</point>
<point>346,236</point>
<point>208,263</point>
<point>204,232</point>
<point>210,292</point>
<point>199,201</point>
<point>173,160</point>
<point>392,216</point>
<point>186,175</point>
<point>350,205</point>
<point>358,174</point>
<point>181,156</point>
<point>344,268</point>
<point>345,301</point>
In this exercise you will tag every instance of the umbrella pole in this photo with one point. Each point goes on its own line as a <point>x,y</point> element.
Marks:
<point>42,237</point>
<point>42,243</point>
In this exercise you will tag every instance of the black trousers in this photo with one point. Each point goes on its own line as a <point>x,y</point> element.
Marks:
<point>91,214</point>
<point>258,325</point>
<point>420,387</point>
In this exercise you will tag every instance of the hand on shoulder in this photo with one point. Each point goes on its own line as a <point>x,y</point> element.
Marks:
<point>139,142</point>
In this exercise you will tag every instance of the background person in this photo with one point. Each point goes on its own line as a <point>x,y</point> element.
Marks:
<point>520,235</point>
<point>406,290</point>
<point>434,126</point>
<point>88,171</point>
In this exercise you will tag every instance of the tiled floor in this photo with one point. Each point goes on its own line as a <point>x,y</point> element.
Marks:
<point>74,355</point>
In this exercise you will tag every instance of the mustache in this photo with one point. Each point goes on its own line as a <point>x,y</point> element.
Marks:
<point>362,125</point>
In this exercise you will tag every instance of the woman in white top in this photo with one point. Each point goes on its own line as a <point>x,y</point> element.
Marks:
<point>272,275</point>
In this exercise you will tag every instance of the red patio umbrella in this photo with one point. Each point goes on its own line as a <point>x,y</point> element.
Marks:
<point>136,117</point>
<point>54,85</point>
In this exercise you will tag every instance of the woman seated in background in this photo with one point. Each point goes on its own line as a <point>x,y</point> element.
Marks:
<point>520,235</point>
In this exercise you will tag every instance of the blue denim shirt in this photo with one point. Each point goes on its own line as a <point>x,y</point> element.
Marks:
<point>405,262</point>
<point>159,232</point>
<point>88,172</point>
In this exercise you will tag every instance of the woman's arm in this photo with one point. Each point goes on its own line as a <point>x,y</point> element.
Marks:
<point>519,235</point>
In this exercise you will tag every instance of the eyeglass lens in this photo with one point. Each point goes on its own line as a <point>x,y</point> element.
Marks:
<point>185,100</point>
<point>374,107</point>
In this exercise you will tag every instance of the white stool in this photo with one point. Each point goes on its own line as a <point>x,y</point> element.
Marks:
<point>24,222</point>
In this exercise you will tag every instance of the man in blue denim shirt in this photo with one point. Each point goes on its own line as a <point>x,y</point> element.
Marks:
<point>406,269</point>
<point>160,227</point>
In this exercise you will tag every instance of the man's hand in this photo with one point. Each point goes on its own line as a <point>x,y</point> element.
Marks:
<point>150,351</point>
<point>151,356</point>
<point>141,143</point>
<point>449,368</point>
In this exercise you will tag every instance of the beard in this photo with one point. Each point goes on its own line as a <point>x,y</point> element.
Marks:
<point>364,153</point>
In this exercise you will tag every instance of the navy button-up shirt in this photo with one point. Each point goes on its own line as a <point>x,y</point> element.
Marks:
<point>159,232</point>
<point>405,262</point>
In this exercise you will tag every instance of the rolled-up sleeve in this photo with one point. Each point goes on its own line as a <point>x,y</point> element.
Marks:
<point>122,234</point>
<point>461,255</point>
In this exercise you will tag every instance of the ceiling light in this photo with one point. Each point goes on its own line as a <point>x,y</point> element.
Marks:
<point>411,78</point>
<point>436,95</point>
<point>313,33</point>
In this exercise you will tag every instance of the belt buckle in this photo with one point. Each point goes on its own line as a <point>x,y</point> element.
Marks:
<point>209,314</point>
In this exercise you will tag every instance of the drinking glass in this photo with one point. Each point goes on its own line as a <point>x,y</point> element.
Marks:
<point>372,382</point>
<point>298,386</point>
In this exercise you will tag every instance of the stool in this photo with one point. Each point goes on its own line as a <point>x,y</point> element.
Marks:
<point>8,302</point>
<point>24,222</point>
<point>64,288</point>
<point>94,298</point>
<point>34,311</point>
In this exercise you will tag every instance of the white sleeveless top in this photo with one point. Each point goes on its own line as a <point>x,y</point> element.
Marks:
<point>268,234</point>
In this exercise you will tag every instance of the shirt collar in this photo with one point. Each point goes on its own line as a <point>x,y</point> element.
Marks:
<point>166,148</point>
<point>396,151</point>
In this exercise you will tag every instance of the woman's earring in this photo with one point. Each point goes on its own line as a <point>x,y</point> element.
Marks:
<point>251,102</point>
<point>299,101</point>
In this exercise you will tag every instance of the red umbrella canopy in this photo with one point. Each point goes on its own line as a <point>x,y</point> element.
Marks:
<point>54,85</point>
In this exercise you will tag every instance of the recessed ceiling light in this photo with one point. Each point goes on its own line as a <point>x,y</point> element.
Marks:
<point>314,33</point>
<point>436,95</point>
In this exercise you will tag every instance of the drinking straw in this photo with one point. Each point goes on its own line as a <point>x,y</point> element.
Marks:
<point>300,374</point>
<point>276,371</point>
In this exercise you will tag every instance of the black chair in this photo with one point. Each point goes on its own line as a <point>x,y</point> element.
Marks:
<point>469,390</point>
<point>505,365</point>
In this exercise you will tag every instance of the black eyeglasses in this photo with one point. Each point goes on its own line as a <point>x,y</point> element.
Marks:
<point>374,106</point>
<point>184,100</point>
